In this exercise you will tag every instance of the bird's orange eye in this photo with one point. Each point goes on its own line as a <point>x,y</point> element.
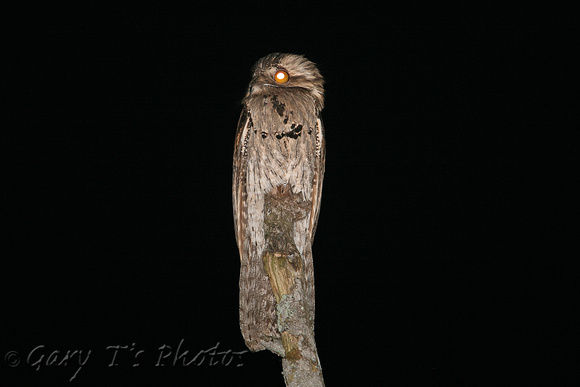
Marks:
<point>281,76</point>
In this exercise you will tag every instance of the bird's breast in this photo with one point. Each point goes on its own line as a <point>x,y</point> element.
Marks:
<point>280,160</point>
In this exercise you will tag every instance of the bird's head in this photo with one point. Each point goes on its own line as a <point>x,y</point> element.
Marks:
<point>279,73</point>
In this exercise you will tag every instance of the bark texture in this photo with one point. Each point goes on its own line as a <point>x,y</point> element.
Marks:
<point>285,267</point>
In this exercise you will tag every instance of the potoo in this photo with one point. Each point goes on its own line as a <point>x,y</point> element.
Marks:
<point>279,155</point>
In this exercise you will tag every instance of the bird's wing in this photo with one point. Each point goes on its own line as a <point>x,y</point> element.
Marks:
<point>318,176</point>
<point>239,177</point>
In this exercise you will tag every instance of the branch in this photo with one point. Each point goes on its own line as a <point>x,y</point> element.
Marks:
<point>286,270</point>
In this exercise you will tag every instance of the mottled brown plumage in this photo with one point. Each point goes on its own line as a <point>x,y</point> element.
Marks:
<point>279,150</point>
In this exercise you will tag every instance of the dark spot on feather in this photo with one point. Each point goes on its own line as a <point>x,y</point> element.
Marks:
<point>279,135</point>
<point>296,131</point>
<point>264,134</point>
<point>277,105</point>
<point>251,123</point>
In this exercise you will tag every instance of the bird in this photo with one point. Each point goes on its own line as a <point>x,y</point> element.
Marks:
<point>279,150</point>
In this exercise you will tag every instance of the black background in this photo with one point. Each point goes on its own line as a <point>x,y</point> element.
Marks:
<point>439,258</point>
